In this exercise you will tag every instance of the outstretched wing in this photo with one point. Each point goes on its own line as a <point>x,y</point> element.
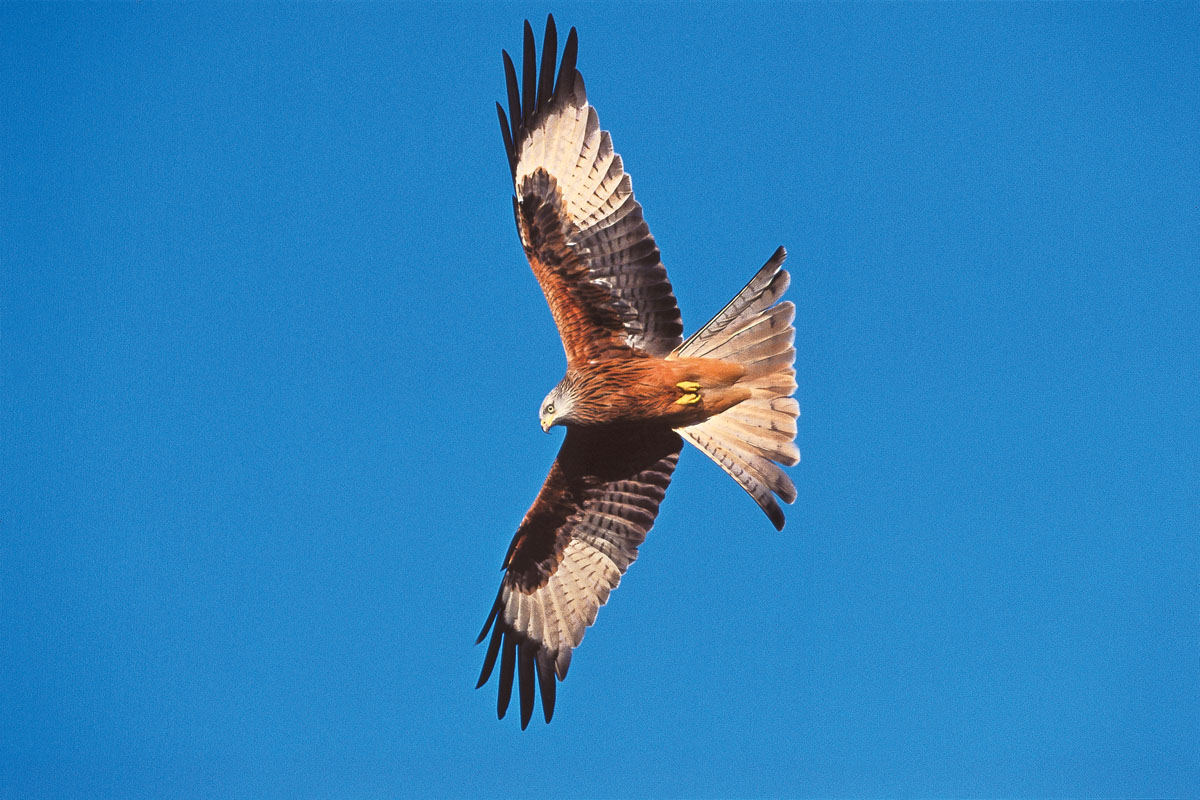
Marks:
<point>581,227</point>
<point>582,533</point>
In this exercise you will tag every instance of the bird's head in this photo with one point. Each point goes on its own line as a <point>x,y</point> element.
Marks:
<point>558,405</point>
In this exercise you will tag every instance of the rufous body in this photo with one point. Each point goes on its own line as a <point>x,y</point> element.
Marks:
<point>647,389</point>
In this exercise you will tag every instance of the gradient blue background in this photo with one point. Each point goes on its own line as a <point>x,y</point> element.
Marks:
<point>272,359</point>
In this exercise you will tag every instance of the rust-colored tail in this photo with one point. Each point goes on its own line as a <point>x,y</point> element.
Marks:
<point>751,440</point>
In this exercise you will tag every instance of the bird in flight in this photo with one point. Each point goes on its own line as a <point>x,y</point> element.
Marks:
<point>634,389</point>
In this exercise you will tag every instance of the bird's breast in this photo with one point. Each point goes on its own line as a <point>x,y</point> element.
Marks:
<point>677,392</point>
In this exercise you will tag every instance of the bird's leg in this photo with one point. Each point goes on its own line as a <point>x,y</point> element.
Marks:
<point>691,393</point>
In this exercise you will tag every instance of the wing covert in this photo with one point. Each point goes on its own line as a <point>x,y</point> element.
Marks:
<point>581,534</point>
<point>556,132</point>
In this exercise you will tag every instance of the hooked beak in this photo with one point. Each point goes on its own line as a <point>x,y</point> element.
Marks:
<point>546,423</point>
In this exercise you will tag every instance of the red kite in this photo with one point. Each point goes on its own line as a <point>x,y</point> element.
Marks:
<point>634,389</point>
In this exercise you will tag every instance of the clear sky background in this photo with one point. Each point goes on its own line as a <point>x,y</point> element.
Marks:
<point>272,359</point>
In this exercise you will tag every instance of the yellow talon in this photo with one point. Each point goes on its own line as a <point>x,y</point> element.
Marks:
<point>689,399</point>
<point>688,386</point>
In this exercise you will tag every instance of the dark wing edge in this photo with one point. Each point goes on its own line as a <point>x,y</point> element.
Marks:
<point>577,540</point>
<point>550,126</point>
<point>591,322</point>
<point>515,127</point>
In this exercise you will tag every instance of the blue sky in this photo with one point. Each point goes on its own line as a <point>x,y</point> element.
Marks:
<point>272,360</point>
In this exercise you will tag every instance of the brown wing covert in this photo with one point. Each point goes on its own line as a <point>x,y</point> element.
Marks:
<point>553,129</point>
<point>581,534</point>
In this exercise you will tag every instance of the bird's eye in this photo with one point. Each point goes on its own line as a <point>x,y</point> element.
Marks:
<point>550,408</point>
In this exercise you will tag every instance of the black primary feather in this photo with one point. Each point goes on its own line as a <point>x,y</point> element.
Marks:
<point>529,75</point>
<point>566,70</point>
<point>514,96</point>
<point>549,54</point>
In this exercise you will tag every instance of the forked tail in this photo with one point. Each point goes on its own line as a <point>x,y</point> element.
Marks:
<point>751,439</point>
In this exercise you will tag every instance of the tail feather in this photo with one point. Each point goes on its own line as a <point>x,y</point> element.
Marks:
<point>767,286</point>
<point>777,385</point>
<point>734,462</point>
<point>776,320</point>
<point>763,441</point>
<point>769,366</point>
<point>752,438</point>
<point>748,353</point>
<point>774,415</point>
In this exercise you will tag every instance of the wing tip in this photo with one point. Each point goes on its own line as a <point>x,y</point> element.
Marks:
<point>538,83</point>
<point>507,668</point>
<point>533,667</point>
<point>546,684</point>
<point>526,676</point>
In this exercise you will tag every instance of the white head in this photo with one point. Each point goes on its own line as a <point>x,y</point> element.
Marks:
<point>558,405</point>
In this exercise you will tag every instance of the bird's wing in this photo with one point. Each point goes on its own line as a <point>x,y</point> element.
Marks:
<point>582,533</point>
<point>581,227</point>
